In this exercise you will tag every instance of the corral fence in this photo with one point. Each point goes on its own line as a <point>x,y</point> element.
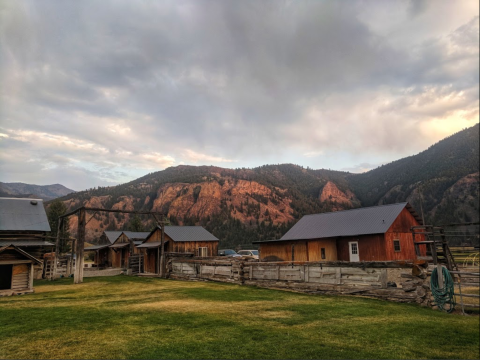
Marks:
<point>400,282</point>
<point>65,266</point>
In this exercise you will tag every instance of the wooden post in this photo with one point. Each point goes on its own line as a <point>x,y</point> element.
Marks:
<point>440,276</point>
<point>57,250</point>
<point>74,243</point>
<point>78,277</point>
<point>158,261</point>
<point>162,251</point>
<point>30,280</point>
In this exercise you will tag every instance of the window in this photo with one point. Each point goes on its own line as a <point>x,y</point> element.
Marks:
<point>323,253</point>
<point>354,248</point>
<point>396,245</point>
<point>202,251</point>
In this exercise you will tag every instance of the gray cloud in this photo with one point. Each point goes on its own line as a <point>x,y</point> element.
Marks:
<point>148,85</point>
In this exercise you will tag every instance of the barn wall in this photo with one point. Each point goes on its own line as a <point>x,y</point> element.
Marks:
<point>370,248</point>
<point>315,249</point>
<point>192,246</point>
<point>282,251</point>
<point>400,230</point>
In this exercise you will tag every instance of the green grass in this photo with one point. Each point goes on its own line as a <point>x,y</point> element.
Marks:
<point>128,317</point>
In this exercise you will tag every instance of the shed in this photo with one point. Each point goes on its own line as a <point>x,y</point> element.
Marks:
<point>116,247</point>
<point>24,223</point>
<point>377,233</point>
<point>16,270</point>
<point>178,239</point>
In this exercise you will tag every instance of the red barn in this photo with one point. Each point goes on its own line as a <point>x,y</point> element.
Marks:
<point>377,233</point>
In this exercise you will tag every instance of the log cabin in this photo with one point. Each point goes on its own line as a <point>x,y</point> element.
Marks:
<point>116,247</point>
<point>377,233</point>
<point>24,224</point>
<point>16,271</point>
<point>193,240</point>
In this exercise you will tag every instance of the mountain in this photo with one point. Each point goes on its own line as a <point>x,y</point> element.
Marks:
<point>45,192</point>
<point>242,205</point>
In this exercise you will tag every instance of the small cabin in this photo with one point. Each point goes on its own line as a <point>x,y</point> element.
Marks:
<point>116,247</point>
<point>24,224</point>
<point>16,271</point>
<point>194,240</point>
<point>377,233</point>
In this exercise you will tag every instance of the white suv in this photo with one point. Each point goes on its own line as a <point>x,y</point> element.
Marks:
<point>249,253</point>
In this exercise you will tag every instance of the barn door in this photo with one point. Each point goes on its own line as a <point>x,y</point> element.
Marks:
<point>353,250</point>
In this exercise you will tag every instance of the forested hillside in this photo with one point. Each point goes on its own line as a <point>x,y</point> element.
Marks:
<point>243,205</point>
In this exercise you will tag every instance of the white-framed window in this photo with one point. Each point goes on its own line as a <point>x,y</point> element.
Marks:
<point>396,245</point>
<point>202,251</point>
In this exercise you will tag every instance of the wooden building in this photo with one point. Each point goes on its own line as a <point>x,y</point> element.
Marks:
<point>24,225</point>
<point>116,247</point>
<point>178,239</point>
<point>378,233</point>
<point>16,271</point>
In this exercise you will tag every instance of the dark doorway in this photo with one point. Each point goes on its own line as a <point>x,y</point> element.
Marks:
<point>6,277</point>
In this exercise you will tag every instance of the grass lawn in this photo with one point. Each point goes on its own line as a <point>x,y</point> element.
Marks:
<point>128,317</point>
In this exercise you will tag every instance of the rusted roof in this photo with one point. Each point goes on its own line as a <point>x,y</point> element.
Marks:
<point>362,221</point>
<point>19,214</point>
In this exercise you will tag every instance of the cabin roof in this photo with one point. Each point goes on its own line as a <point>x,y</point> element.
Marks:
<point>136,234</point>
<point>187,233</point>
<point>112,236</point>
<point>25,254</point>
<point>362,221</point>
<point>96,247</point>
<point>20,214</point>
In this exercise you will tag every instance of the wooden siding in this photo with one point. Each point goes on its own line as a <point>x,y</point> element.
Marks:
<point>184,246</point>
<point>21,276</point>
<point>282,251</point>
<point>150,259</point>
<point>370,247</point>
<point>400,230</point>
<point>315,249</point>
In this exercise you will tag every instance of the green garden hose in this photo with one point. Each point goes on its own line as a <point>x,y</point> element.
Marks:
<point>443,296</point>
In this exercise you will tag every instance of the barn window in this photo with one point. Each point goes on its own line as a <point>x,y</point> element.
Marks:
<point>202,251</point>
<point>323,253</point>
<point>396,245</point>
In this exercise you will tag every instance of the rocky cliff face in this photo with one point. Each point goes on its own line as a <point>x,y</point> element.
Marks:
<point>331,193</point>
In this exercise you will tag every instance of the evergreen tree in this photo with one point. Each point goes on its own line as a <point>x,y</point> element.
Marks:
<point>56,209</point>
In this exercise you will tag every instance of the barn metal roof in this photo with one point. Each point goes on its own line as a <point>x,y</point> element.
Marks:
<point>18,214</point>
<point>362,221</point>
<point>112,236</point>
<point>189,233</point>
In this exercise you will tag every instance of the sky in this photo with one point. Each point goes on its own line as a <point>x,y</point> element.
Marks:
<point>97,93</point>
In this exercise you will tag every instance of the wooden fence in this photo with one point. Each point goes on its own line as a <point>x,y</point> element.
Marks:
<point>369,279</point>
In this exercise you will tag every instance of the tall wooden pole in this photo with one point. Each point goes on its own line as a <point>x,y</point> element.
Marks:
<point>78,277</point>
<point>57,250</point>
<point>162,251</point>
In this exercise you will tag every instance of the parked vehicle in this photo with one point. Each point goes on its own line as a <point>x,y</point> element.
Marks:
<point>228,253</point>
<point>249,253</point>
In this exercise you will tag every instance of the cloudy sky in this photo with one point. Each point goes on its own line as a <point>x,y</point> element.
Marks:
<point>102,92</point>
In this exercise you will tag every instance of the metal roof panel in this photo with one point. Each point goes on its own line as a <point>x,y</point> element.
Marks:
<point>362,221</point>
<point>20,214</point>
